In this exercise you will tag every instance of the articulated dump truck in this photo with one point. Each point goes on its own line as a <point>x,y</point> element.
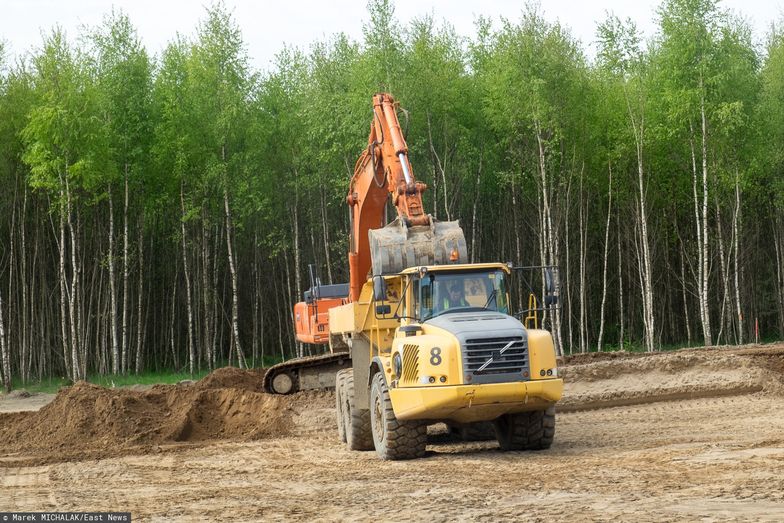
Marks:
<point>419,336</point>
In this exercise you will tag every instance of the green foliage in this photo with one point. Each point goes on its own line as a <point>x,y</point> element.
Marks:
<point>491,120</point>
<point>64,143</point>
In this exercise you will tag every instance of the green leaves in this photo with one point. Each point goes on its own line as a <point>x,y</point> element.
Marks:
<point>61,133</point>
<point>491,119</point>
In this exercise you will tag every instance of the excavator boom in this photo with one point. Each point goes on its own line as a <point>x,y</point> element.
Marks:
<point>384,172</point>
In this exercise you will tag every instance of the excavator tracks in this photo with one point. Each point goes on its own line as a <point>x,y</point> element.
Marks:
<point>308,373</point>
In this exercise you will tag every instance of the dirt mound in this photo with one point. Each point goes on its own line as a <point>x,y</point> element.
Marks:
<point>233,378</point>
<point>767,359</point>
<point>686,374</point>
<point>591,357</point>
<point>92,420</point>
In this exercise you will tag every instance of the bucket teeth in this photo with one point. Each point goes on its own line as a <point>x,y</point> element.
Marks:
<point>396,247</point>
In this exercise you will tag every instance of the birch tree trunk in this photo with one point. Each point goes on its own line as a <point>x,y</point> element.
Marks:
<point>736,248</point>
<point>438,167</point>
<point>234,291</point>
<point>77,375</point>
<point>620,285</point>
<point>206,293</point>
<point>542,226</point>
<point>518,256</point>
<point>4,348</point>
<point>582,227</point>
<point>778,240</point>
<point>215,312</point>
<point>287,304</point>
<point>549,233</point>
<point>278,308</point>
<point>700,266</point>
<point>140,292</point>
<point>706,326</point>
<point>113,291</point>
<point>638,128</point>
<point>568,268</point>
<point>124,355</point>
<point>723,273</point>
<point>685,302</point>
<point>191,346</point>
<point>325,231</point>
<point>6,357</point>
<point>474,206</point>
<point>24,370</point>
<point>647,284</point>
<point>172,318</point>
<point>64,286</point>
<point>604,271</point>
<point>297,271</point>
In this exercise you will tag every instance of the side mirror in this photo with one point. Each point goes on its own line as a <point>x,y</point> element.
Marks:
<point>383,310</point>
<point>550,288</point>
<point>379,288</point>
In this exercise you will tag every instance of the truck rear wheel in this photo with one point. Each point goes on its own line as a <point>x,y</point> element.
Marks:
<point>526,430</point>
<point>340,402</point>
<point>392,438</point>
<point>356,421</point>
<point>477,431</point>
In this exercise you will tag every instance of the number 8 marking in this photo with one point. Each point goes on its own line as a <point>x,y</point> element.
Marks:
<point>435,356</point>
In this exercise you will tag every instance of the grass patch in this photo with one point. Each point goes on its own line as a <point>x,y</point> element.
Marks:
<point>52,385</point>
<point>156,377</point>
<point>149,378</point>
<point>49,385</point>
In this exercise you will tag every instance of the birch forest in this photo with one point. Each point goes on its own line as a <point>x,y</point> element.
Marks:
<point>160,210</point>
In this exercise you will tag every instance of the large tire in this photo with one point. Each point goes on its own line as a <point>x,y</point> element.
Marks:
<point>356,421</point>
<point>392,438</point>
<point>526,430</point>
<point>340,402</point>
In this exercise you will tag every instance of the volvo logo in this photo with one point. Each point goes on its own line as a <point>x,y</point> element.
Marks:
<point>494,357</point>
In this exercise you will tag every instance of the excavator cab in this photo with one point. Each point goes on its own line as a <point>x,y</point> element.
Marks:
<point>311,317</point>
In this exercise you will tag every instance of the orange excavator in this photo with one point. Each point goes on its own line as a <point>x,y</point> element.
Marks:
<point>382,173</point>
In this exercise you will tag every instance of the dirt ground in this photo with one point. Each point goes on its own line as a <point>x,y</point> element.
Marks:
<point>685,436</point>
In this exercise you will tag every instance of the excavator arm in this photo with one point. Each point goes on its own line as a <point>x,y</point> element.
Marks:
<point>383,172</point>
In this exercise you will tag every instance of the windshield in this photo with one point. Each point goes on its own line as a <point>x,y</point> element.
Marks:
<point>439,293</point>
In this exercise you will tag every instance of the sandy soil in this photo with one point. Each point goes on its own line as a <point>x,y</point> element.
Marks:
<point>713,451</point>
<point>20,401</point>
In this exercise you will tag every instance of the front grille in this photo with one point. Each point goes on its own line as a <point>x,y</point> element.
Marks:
<point>479,351</point>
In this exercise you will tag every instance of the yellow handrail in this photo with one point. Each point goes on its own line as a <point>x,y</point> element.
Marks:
<point>532,312</point>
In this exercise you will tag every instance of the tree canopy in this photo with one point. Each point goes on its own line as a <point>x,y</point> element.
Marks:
<point>161,210</point>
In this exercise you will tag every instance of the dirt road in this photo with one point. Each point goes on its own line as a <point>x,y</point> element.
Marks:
<point>714,458</point>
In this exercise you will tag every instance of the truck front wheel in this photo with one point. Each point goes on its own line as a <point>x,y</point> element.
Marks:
<point>526,430</point>
<point>393,439</point>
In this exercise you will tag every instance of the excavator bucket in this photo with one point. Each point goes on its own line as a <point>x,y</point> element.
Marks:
<point>396,247</point>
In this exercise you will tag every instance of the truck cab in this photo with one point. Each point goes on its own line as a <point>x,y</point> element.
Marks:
<point>459,355</point>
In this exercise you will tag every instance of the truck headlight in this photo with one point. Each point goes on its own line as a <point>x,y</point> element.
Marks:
<point>397,365</point>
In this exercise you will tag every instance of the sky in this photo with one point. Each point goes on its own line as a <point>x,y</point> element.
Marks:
<point>268,25</point>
